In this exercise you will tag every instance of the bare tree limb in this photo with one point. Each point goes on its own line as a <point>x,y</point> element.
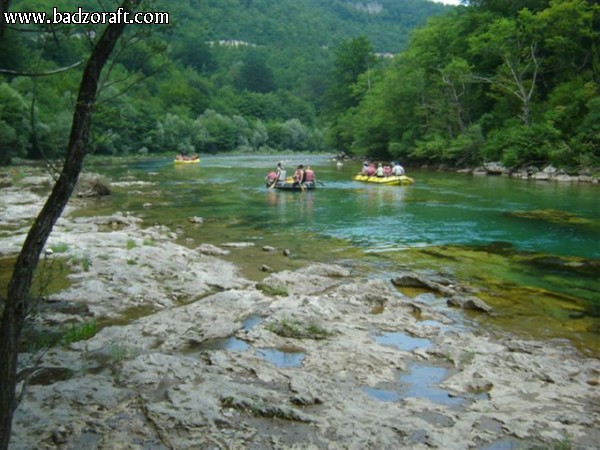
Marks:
<point>39,74</point>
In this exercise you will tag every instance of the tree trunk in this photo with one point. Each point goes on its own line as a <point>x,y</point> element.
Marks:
<point>18,298</point>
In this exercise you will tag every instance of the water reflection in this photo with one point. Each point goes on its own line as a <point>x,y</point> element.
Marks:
<point>386,196</point>
<point>402,341</point>
<point>282,357</point>
<point>383,395</point>
<point>251,322</point>
<point>420,382</point>
<point>293,205</point>
<point>230,343</point>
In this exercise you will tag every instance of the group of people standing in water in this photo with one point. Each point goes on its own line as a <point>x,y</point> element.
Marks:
<point>382,170</point>
<point>299,179</point>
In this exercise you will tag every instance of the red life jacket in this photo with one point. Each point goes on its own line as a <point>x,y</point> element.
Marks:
<point>309,175</point>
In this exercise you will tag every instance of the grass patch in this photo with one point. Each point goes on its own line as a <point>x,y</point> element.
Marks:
<point>80,332</point>
<point>60,247</point>
<point>296,329</point>
<point>84,261</point>
<point>119,353</point>
<point>270,289</point>
<point>148,242</point>
<point>131,244</point>
<point>131,261</point>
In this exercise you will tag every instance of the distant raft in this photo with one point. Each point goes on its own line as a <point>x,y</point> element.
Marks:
<point>394,180</point>
<point>186,161</point>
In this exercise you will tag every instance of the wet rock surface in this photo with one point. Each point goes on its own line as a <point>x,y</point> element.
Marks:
<point>387,371</point>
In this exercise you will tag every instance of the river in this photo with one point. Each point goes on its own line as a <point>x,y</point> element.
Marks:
<point>531,249</point>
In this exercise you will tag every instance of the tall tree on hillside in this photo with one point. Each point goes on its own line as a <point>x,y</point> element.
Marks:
<point>517,48</point>
<point>255,75</point>
<point>14,124</point>
<point>352,58</point>
<point>18,301</point>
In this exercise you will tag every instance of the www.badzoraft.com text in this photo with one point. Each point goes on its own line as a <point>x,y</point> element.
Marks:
<point>81,17</point>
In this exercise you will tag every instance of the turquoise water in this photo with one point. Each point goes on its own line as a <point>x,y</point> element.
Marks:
<point>439,209</point>
<point>532,246</point>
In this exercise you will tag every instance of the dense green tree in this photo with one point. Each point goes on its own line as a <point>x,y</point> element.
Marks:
<point>259,106</point>
<point>517,48</point>
<point>12,48</point>
<point>352,58</point>
<point>192,50</point>
<point>509,8</point>
<point>488,82</point>
<point>254,74</point>
<point>214,132</point>
<point>14,124</point>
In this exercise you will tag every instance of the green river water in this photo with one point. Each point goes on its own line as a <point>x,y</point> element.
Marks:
<point>531,248</point>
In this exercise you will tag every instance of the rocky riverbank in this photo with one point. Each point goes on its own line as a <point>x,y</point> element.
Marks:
<point>190,354</point>
<point>547,173</point>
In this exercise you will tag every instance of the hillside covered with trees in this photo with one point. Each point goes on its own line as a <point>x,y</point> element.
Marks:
<point>224,75</point>
<point>516,82</point>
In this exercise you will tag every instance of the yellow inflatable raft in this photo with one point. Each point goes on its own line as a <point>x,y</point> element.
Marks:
<point>394,180</point>
<point>186,161</point>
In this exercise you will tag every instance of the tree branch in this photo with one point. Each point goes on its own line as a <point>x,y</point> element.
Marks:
<point>39,74</point>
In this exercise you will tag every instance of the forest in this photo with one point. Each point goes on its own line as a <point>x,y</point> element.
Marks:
<point>418,81</point>
<point>515,82</point>
<point>245,75</point>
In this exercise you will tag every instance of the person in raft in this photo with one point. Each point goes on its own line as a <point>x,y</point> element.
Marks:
<point>278,176</point>
<point>371,170</point>
<point>309,175</point>
<point>271,178</point>
<point>281,172</point>
<point>299,177</point>
<point>398,169</point>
